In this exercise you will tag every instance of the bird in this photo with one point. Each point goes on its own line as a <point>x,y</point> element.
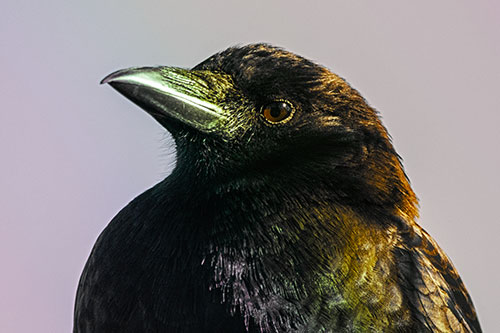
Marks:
<point>288,210</point>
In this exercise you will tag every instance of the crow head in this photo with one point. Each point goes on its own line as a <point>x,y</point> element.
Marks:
<point>259,112</point>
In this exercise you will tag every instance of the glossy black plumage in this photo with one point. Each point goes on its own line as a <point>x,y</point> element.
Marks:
<point>306,224</point>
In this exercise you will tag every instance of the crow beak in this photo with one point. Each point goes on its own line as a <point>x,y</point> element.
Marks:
<point>171,94</point>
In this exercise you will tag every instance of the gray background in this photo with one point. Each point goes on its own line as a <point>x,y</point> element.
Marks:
<point>73,153</point>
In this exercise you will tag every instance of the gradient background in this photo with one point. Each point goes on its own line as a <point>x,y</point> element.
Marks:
<point>73,153</point>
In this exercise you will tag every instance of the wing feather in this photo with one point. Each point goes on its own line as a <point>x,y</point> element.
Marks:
<point>437,296</point>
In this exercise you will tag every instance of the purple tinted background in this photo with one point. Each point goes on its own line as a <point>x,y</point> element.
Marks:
<point>74,153</point>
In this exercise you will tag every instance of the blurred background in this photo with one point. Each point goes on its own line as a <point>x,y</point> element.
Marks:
<point>73,153</point>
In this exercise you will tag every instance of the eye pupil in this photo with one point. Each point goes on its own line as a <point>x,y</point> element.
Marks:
<point>277,112</point>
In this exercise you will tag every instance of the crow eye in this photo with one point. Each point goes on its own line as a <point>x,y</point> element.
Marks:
<point>277,112</point>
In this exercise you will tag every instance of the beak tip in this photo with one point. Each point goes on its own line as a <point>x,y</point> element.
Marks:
<point>109,78</point>
<point>121,74</point>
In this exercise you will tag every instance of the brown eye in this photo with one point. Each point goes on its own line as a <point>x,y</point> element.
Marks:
<point>277,112</point>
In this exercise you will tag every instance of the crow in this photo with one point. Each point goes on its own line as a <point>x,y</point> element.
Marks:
<point>288,210</point>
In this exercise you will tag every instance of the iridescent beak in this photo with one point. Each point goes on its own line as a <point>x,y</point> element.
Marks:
<point>171,94</point>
